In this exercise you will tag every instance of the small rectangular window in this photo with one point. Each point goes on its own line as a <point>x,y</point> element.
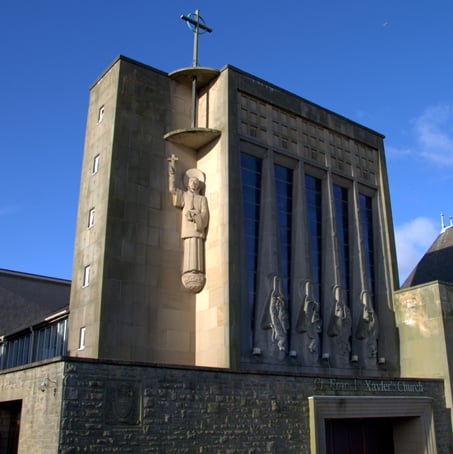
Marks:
<point>86,276</point>
<point>101,113</point>
<point>91,218</point>
<point>95,167</point>
<point>82,335</point>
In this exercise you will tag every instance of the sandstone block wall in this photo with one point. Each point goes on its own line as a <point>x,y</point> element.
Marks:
<point>39,389</point>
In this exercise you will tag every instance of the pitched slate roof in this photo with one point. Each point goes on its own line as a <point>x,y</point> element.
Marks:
<point>27,299</point>
<point>436,264</point>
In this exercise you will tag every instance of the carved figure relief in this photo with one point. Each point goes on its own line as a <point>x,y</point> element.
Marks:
<point>194,222</point>
<point>278,318</point>
<point>338,314</point>
<point>309,320</point>
<point>367,327</point>
<point>340,323</point>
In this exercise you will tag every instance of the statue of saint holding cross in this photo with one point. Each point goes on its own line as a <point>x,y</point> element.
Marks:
<point>194,222</point>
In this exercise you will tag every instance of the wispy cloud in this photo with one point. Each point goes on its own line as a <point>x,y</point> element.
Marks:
<point>432,136</point>
<point>435,134</point>
<point>412,240</point>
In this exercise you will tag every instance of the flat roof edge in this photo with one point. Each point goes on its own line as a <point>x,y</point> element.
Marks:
<point>127,60</point>
<point>302,99</point>
<point>20,274</point>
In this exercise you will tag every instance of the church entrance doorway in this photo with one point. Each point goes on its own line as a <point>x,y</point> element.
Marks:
<point>359,436</point>
<point>371,425</point>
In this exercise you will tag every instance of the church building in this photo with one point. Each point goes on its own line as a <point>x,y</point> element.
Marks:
<point>233,285</point>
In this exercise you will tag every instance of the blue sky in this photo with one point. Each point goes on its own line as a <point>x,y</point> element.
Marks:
<point>387,65</point>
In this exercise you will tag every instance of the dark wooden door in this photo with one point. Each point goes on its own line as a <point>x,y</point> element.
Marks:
<point>359,436</point>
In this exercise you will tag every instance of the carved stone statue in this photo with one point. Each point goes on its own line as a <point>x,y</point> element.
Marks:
<point>194,222</point>
<point>309,320</point>
<point>279,319</point>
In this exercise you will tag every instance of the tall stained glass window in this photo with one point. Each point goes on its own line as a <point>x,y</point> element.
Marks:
<point>342,217</point>
<point>284,193</point>
<point>366,223</point>
<point>251,195</point>
<point>314,214</point>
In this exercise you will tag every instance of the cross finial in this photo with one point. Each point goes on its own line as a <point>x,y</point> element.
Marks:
<point>196,23</point>
<point>173,158</point>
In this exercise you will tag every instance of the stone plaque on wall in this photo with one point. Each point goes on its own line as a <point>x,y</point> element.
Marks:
<point>122,403</point>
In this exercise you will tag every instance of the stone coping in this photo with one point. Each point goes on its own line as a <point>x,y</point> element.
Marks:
<point>216,370</point>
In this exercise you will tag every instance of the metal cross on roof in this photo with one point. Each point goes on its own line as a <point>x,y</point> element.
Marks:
<point>196,23</point>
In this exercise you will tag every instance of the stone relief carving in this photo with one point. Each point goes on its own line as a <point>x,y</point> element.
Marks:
<point>338,314</point>
<point>413,313</point>
<point>339,325</point>
<point>194,223</point>
<point>122,403</point>
<point>277,317</point>
<point>367,327</point>
<point>309,320</point>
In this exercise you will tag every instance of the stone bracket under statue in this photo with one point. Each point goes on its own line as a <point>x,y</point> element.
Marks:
<point>190,198</point>
<point>194,137</point>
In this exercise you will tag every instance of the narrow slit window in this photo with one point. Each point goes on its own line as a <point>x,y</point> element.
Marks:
<point>86,276</point>
<point>82,335</point>
<point>95,167</point>
<point>101,114</point>
<point>91,218</point>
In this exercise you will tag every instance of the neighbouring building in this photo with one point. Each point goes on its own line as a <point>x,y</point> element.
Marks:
<point>233,283</point>
<point>34,317</point>
<point>424,313</point>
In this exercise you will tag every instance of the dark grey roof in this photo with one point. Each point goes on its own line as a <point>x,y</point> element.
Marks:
<point>27,299</point>
<point>436,264</point>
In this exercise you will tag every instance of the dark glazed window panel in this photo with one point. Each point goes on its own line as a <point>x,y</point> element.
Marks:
<point>342,219</point>
<point>43,343</point>
<point>284,193</point>
<point>366,224</point>
<point>18,351</point>
<point>51,341</point>
<point>251,199</point>
<point>314,213</point>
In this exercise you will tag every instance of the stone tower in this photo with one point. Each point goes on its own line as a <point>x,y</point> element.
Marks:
<point>297,253</point>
